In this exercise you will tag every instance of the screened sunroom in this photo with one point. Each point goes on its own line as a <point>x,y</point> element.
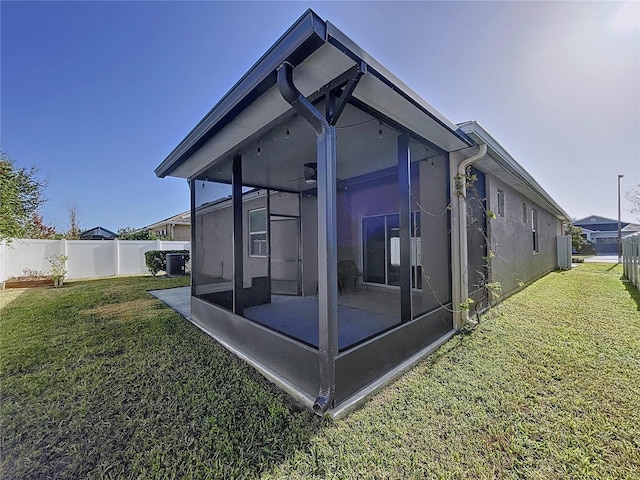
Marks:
<point>320,193</point>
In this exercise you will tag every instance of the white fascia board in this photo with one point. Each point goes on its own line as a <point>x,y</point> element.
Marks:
<point>163,224</point>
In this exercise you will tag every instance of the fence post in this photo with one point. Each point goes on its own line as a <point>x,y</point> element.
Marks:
<point>3,260</point>
<point>116,258</point>
<point>65,251</point>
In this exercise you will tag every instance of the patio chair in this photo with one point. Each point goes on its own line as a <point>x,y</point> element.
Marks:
<point>347,269</point>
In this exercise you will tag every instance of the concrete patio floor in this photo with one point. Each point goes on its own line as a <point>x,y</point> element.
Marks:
<point>178,299</point>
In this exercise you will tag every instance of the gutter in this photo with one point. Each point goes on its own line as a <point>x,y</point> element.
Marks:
<point>503,159</point>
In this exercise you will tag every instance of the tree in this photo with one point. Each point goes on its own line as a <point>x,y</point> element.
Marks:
<point>74,230</point>
<point>633,196</point>
<point>37,229</point>
<point>129,233</point>
<point>21,195</point>
<point>577,240</point>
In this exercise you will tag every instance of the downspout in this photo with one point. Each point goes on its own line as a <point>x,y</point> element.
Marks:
<point>462,254</point>
<point>327,287</point>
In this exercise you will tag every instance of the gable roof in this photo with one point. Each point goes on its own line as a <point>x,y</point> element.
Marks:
<point>591,219</point>
<point>99,232</point>
<point>632,227</point>
<point>597,223</point>
<point>183,218</point>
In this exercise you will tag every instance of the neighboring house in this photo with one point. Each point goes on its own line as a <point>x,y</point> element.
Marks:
<point>177,227</point>
<point>98,233</point>
<point>602,232</point>
<point>319,161</point>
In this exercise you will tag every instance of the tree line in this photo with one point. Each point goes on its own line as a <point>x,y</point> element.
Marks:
<point>22,194</point>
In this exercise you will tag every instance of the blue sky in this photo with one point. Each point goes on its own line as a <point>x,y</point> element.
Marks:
<point>96,94</point>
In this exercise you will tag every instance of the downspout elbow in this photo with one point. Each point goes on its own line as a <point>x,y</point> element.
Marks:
<point>465,163</point>
<point>298,101</point>
<point>324,400</point>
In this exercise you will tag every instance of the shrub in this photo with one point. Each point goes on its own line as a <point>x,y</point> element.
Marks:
<point>156,260</point>
<point>58,268</point>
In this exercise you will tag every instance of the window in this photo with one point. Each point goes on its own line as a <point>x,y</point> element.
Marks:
<point>534,229</point>
<point>524,212</point>
<point>500,211</point>
<point>258,233</point>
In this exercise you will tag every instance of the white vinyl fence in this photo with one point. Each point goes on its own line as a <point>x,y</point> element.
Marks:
<point>87,258</point>
<point>631,258</point>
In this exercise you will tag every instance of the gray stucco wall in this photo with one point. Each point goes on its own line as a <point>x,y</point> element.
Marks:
<point>213,241</point>
<point>511,238</point>
<point>309,227</point>
<point>214,238</point>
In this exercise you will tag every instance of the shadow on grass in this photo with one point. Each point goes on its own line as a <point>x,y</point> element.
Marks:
<point>633,292</point>
<point>100,381</point>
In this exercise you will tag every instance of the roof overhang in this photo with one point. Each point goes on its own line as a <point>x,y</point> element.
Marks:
<point>500,164</point>
<point>320,53</point>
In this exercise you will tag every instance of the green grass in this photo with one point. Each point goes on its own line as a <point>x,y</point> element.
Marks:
<point>100,380</point>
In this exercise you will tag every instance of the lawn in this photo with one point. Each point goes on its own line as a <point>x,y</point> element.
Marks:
<point>100,380</point>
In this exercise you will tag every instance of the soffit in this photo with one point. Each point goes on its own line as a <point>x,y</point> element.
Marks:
<point>279,165</point>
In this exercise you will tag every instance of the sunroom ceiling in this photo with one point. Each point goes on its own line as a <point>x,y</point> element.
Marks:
<point>254,112</point>
<point>274,161</point>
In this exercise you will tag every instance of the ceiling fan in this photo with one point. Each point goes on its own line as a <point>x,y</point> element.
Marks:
<point>309,174</point>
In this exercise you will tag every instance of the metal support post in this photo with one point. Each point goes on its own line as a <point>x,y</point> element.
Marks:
<point>236,199</point>
<point>404,190</point>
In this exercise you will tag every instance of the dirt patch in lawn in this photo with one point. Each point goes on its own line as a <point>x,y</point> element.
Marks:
<point>123,312</point>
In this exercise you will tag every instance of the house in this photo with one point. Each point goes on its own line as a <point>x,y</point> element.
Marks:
<point>98,233</point>
<point>602,232</point>
<point>341,226</point>
<point>177,227</point>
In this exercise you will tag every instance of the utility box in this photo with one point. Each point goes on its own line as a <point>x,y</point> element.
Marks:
<point>564,252</point>
<point>175,264</point>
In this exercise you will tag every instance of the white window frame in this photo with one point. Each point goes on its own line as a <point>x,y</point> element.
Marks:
<point>500,202</point>
<point>263,244</point>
